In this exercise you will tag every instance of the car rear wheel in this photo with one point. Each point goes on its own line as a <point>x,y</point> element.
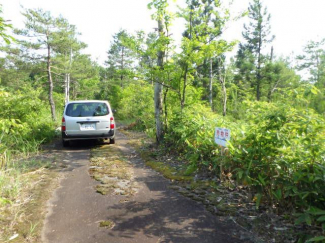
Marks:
<point>112,141</point>
<point>65,143</point>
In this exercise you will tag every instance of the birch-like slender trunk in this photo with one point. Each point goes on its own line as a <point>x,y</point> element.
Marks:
<point>210,85</point>
<point>50,81</point>
<point>158,92</point>
<point>122,67</point>
<point>223,78</point>
<point>224,92</point>
<point>67,79</point>
<point>67,87</point>
<point>183,100</point>
<point>66,99</point>
<point>258,76</point>
<point>259,63</point>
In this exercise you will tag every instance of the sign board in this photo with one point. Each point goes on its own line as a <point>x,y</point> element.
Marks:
<point>221,136</point>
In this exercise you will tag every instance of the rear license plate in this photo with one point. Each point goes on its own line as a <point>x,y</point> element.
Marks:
<point>87,127</point>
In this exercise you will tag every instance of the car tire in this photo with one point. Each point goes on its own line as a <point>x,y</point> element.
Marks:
<point>112,141</point>
<point>65,143</point>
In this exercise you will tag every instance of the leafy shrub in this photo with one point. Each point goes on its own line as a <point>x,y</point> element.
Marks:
<point>25,121</point>
<point>282,156</point>
<point>138,106</point>
<point>191,132</point>
<point>277,150</point>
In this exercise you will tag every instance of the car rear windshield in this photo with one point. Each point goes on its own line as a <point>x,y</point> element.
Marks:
<point>87,109</point>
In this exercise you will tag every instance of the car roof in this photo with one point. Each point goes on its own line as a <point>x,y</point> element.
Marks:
<point>87,101</point>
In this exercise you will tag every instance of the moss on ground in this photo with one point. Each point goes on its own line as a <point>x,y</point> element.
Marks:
<point>109,224</point>
<point>111,168</point>
<point>138,141</point>
<point>168,171</point>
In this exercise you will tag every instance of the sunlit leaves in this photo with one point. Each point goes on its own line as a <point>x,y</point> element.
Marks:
<point>25,120</point>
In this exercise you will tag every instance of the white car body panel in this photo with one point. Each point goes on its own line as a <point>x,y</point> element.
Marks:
<point>87,119</point>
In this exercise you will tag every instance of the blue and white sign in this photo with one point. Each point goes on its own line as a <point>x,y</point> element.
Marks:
<point>221,136</point>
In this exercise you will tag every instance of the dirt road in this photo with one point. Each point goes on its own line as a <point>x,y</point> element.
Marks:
<point>154,213</point>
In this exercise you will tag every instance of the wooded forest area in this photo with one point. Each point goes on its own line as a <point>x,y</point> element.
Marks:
<point>178,94</point>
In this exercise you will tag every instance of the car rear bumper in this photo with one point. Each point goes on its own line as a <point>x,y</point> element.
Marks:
<point>67,137</point>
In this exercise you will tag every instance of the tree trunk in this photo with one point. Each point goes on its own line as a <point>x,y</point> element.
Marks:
<point>258,76</point>
<point>158,92</point>
<point>184,88</point>
<point>50,81</point>
<point>69,75</point>
<point>158,113</point>
<point>122,67</point>
<point>224,92</point>
<point>259,61</point>
<point>68,87</point>
<point>166,109</point>
<point>74,91</point>
<point>67,78</point>
<point>271,91</point>
<point>210,85</point>
<point>66,99</point>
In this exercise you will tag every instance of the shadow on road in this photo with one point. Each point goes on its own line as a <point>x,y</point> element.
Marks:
<point>169,216</point>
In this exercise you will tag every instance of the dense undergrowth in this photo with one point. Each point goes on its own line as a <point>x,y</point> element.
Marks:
<point>25,123</point>
<point>277,151</point>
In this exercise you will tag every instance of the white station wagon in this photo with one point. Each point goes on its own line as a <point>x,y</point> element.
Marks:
<point>87,119</point>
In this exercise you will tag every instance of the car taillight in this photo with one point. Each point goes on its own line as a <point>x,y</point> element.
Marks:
<point>63,125</point>
<point>112,123</point>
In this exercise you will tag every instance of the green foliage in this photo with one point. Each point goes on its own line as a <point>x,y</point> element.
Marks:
<point>137,104</point>
<point>111,92</point>
<point>121,57</point>
<point>4,26</point>
<point>191,132</point>
<point>25,122</point>
<point>275,149</point>
<point>250,58</point>
<point>313,61</point>
<point>281,155</point>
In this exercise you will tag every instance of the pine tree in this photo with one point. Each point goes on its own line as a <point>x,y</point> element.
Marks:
<point>4,26</point>
<point>42,27</point>
<point>313,61</point>
<point>250,59</point>
<point>67,48</point>
<point>120,59</point>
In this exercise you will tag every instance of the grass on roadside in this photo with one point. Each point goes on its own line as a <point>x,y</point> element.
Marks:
<point>24,188</point>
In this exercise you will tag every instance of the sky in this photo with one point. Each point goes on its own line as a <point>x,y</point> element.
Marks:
<point>293,22</point>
